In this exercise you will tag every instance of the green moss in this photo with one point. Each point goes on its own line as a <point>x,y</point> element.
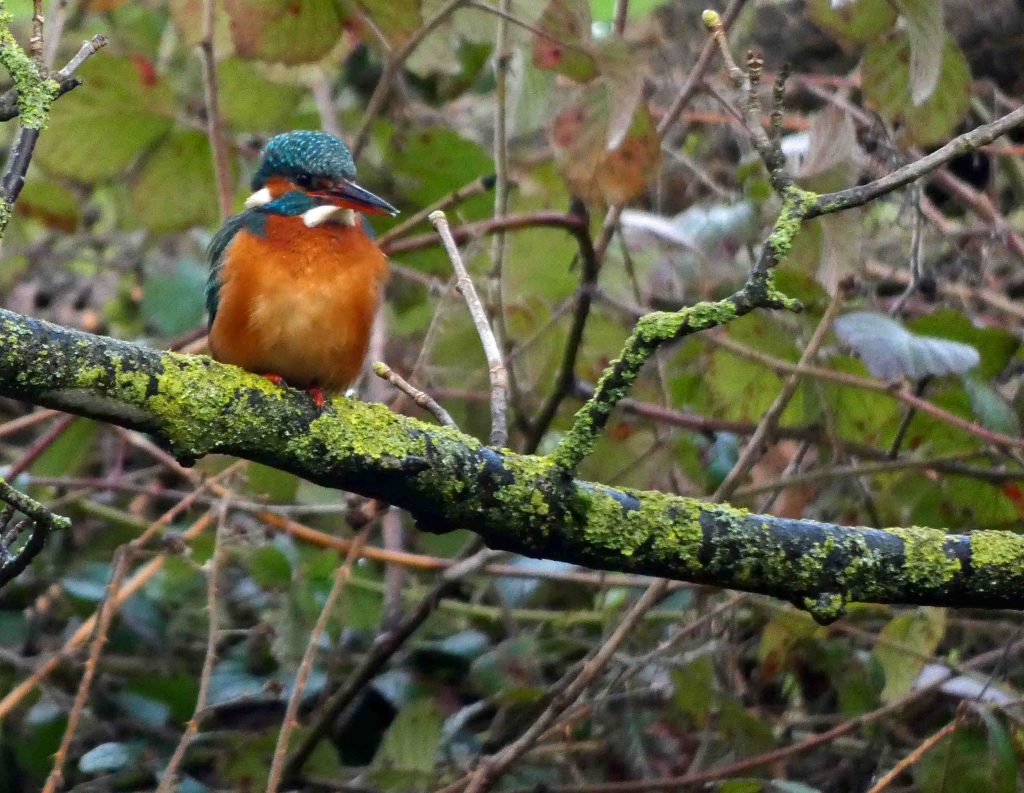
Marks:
<point>36,92</point>
<point>826,608</point>
<point>925,561</point>
<point>531,476</point>
<point>998,551</point>
<point>795,204</point>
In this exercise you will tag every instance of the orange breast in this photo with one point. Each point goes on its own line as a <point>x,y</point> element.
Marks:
<point>299,302</point>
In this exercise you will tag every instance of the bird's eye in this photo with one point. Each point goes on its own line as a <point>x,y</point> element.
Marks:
<point>304,181</point>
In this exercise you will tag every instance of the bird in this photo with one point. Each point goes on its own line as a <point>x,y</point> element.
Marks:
<point>296,278</point>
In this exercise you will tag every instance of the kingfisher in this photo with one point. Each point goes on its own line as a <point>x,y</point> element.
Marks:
<point>296,278</point>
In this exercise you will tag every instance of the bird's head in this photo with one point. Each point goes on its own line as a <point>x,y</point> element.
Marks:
<point>318,165</point>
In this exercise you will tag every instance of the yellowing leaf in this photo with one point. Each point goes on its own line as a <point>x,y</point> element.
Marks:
<point>560,44</point>
<point>285,31</point>
<point>594,172</point>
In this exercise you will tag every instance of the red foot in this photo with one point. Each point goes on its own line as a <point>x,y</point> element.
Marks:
<point>318,396</point>
<point>276,379</point>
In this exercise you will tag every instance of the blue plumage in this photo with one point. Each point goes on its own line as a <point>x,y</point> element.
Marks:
<point>305,153</point>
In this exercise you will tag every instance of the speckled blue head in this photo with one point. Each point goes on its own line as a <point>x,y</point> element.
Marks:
<point>302,153</point>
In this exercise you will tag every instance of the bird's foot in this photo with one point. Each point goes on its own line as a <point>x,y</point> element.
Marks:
<point>318,396</point>
<point>276,379</point>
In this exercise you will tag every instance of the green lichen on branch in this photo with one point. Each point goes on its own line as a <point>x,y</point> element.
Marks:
<point>796,202</point>
<point>36,91</point>
<point>925,558</point>
<point>525,504</point>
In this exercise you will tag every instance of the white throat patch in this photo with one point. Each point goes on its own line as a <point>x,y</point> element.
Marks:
<point>258,199</point>
<point>317,216</point>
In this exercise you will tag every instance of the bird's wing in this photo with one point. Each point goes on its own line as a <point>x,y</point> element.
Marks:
<point>215,255</point>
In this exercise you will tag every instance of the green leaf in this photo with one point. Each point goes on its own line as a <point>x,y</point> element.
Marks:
<point>285,31</point>
<point>431,162</point>
<point>994,412</point>
<point>49,202</point>
<point>921,631</point>
<point>604,10</point>
<point>397,20</point>
<point>270,568</point>
<point>96,131</point>
<point>694,686</point>
<point>70,453</point>
<point>105,758</point>
<point>1002,758</point>
<point>885,77</point>
<point>859,21</point>
<point>405,760</point>
<point>176,188</point>
<point>996,345</point>
<point>275,484</point>
<point>173,302</point>
<point>240,81</point>
<point>960,761</point>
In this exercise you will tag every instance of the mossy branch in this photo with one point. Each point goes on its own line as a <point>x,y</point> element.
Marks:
<point>526,504</point>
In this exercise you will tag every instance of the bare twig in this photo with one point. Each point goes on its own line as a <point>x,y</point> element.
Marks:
<point>341,576</point>
<point>421,398</point>
<point>620,17</point>
<point>496,366</point>
<point>919,751</point>
<point>567,692</point>
<point>41,522</point>
<point>35,42</point>
<point>214,125</point>
<point>106,613</point>
<point>457,196</point>
<point>768,423</point>
<point>168,780</point>
<point>395,62</point>
<point>385,646</point>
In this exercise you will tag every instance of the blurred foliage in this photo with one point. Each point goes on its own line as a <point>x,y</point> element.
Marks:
<point>109,236</point>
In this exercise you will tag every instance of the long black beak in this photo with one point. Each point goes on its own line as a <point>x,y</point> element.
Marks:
<point>352,196</point>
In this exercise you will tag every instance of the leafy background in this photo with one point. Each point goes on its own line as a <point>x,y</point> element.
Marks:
<point>109,236</point>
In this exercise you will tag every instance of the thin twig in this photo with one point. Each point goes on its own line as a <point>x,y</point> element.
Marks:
<point>35,42</point>
<point>290,721</point>
<point>870,384</point>
<point>324,101</point>
<point>457,196</point>
<point>394,65</point>
<point>421,398</point>
<point>919,751</point>
<point>383,648</point>
<point>214,125</point>
<point>620,17</point>
<point>169,778</point>
<point>495,365</point>
<point>106,613</point>
<point>567,692</point>
<point>14,697</point>
<point>41,522</point>
<point>767,425</point>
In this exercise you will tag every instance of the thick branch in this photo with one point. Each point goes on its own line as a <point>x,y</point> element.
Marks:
<point>524,504</point>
